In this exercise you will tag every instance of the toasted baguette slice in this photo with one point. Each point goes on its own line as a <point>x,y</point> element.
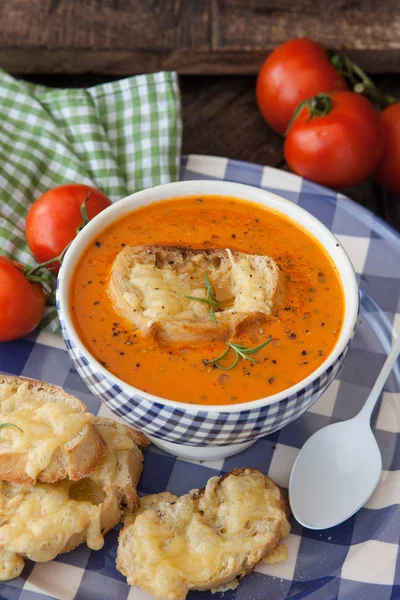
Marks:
<point>58,438</point>
<point>205,539</point>
<point>43,520</point>
<point>149,284</point>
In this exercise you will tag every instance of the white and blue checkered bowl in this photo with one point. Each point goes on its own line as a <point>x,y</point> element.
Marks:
<point>173,425</point>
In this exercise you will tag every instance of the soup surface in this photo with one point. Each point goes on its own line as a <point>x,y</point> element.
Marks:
<point>304,326</point>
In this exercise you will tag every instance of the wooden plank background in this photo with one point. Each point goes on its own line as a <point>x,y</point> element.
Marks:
<point>190,36</point>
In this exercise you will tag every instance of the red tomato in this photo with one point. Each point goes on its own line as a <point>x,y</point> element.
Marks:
<point>296,70</point>
<point>339,148</point>
<point>387,172</point>
<point>53,220</point>
<point>22,303</point>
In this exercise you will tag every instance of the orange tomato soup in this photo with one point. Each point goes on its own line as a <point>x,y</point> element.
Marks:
<point>304,328</point>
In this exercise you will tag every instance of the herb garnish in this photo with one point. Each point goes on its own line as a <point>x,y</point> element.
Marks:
<point>211,299</point>
<point>10,425</point>
<point>240,352</point>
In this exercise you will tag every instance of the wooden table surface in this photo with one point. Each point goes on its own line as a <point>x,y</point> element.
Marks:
<point>217,46</point>
<point>190,36</point>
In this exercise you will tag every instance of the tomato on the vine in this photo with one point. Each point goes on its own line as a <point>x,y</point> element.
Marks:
<point>387,172</point>
<point>54,219</point>
<point>296,70</point>
<point>22,303</point>
<point>334,139</point>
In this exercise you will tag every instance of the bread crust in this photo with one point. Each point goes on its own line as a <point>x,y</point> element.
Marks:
<point>120,495</point>
<point>233,567</point>
<point>74,460</point>
<point>216,262</point>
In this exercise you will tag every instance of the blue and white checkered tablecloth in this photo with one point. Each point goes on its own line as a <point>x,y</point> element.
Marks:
<point>358,560</point>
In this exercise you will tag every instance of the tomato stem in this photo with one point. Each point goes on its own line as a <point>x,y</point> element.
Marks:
<point>84,213</point>
<point>299,108</point>
<point>361,83</point>
<point>46,281</point>
<point>43,265</point>
<point>374,94</point>
<point>318,106</point>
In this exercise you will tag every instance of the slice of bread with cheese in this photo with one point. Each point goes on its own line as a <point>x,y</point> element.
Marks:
<point>203,540</point>
<point>149,286</point>
<point>57,437</point>
<point>43,520</point>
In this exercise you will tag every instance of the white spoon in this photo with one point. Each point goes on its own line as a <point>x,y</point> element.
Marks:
<point>339,467</point>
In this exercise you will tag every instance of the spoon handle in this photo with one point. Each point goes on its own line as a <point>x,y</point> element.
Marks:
<point>372,399</point>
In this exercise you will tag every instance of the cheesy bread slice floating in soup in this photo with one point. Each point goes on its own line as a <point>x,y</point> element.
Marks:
<point>180,294</point>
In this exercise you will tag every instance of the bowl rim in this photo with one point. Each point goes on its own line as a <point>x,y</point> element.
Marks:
<point>181,189</point>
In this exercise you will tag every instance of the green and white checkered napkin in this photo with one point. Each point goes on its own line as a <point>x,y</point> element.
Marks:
<point>119,137</point>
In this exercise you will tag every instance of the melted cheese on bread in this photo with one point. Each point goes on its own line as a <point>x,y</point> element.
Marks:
<point>176,544</point>
<point>11,565</point>
<point>37,521</point>
<point>162,290</point>
<point>161,293</point>
<point>45,425</point>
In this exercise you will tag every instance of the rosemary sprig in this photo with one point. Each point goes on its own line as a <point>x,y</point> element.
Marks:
<point>210,299</point>
<point>240,352</point>
<point>10,425</point>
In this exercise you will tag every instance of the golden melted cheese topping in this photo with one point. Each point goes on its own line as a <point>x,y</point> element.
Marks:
<point>278,554</point>
<point>252,287</point>
<point>45,425</point>
<point>38,520</point>
<point>11,565</point>
<point>160,294</point>
<point>176,544</point>
<point>248,282</point>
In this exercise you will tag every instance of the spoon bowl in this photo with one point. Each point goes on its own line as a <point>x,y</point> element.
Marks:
<point>339,467</point>
<point>335,473</point>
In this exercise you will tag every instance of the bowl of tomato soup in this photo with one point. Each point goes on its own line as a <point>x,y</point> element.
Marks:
<point>239,364</point>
